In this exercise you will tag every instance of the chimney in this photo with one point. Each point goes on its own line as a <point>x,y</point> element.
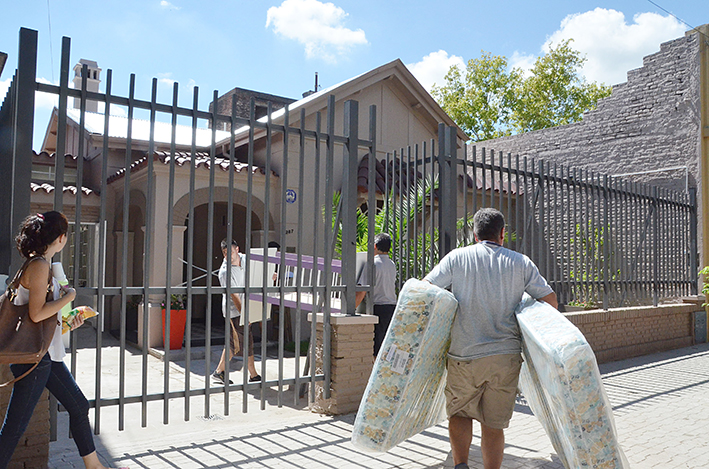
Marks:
<point>92,82</point>
<point>315,90</point>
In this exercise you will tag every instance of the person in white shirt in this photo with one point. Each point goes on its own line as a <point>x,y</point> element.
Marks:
<point>233,306</point>
<point>384,292</point>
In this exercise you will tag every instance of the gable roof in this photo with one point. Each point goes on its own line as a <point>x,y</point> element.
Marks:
<point>395,70</point>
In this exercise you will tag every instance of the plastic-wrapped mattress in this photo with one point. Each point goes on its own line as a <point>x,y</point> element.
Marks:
<point>404,395</point>
<point>561,382</point>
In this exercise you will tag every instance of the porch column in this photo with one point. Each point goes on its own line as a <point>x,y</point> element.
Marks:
<point>351,358</point>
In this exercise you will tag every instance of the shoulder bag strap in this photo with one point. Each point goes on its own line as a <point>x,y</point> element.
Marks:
<point>12,381</point>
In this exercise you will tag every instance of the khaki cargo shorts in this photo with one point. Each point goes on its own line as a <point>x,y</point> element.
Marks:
<point>483,389</point>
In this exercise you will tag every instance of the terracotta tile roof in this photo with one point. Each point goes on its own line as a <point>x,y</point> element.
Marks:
<point>202,159</point>
<point>49,188</point>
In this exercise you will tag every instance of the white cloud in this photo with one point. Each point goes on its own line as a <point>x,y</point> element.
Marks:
<point>4,86</point>
<point>47,100</point>
<point>522,61</point>
<point>432,69</point>
<point>611,45</point>
<point>316,25</point>
<point>166,4</point>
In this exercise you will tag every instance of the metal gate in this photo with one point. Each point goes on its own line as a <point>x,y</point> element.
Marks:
<point>146,221</point>
<point>147,218</point>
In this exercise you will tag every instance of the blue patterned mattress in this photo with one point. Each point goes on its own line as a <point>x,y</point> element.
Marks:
<point>561,382</point>
<point>404,395</point>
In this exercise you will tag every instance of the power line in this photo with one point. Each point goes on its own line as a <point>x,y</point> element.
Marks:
<point>679,19</point>
<point>51,51</point>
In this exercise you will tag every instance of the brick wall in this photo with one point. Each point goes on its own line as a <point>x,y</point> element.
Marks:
<point>32,451</point>
<point>351,358</point>
<point>650,122</point>
<point>630,332</point>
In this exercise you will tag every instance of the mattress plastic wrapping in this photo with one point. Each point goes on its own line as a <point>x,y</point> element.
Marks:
<point>561,382</point>
<point>404,395</point>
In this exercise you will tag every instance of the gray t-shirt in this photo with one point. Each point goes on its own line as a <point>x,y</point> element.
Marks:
<point>238,279</point>
<point>488,281</point>
<point>384,292</point>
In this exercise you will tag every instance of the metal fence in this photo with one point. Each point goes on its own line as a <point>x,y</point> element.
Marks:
<point>160,217</point>
<point>600,241</point>
<point>159,212</point>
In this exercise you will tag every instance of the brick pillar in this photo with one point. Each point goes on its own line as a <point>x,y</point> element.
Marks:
<point>32,451</point>
<point>351,358</point>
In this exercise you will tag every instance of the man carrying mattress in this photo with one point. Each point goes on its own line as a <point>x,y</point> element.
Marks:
<point>484,359</point>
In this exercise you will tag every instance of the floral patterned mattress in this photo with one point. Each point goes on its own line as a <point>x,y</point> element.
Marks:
<point>404,395</point>
<point>561,382</point>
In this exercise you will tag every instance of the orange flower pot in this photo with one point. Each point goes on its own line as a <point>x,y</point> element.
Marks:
<point>178,319</point>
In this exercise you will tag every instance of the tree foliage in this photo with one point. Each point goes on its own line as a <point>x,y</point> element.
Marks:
<point>489,100</point>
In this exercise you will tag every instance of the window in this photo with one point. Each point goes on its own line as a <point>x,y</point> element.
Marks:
<point>46,173</point>
<point>87,255</point>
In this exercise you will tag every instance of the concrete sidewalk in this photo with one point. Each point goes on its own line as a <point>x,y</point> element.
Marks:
<point>661,407</point>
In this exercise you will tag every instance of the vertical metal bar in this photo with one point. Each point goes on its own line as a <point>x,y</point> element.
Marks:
<point>426,184</point>
<point>21,134</point>
<point>124,262</point>
<point>466,216</point>
<point>411,182</point>
<point>371,199</point>
<point>607,238</point>
<point>284,217</point>
<point>190,265</point>
<point>101,301</point>
<point>483,178</point>
<point>249,227</point>
<point>656,247</point>
<point>519,197</point>
<point>475,181</point>
<point>329,194</point>
<point>316,251</point>
<point>168,254</point>
<point>541,252</point>
<point>693,268</point>
<point>434,175</point>
<point>418,193</point>
<point>299,249</point>
<point>77,202</point>
<point>399,209</point>
<point>509,200</point>
<point>349,203</point>
<point>264,243</point>
<point>61,126</point>
<point>229,238</point>
<point>147,253</point>
<point>525,242</point>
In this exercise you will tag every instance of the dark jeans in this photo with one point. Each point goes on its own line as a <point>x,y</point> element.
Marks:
<point>385,313</point>
<point>26,393</point>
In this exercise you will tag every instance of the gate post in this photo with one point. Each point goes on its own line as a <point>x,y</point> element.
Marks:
<point>693,249</point>
<point>349,204</point>
<point>21,136</point>
<point>447,200</point>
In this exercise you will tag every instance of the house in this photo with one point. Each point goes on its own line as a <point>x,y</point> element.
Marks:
<point>406,115</point>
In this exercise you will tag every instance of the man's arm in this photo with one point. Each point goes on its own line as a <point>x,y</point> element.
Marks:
<point>237,301</point>
<point>550,299</point>
<point>359,296</point>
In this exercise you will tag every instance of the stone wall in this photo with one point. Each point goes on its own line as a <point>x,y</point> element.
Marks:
<point>32,451</point>
<point>650,122</point>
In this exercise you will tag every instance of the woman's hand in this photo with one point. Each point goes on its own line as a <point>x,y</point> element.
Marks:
<point>66,290</point>
<point>77,321</point>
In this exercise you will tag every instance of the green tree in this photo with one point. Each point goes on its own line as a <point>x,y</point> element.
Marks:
<point>481,99</point>
<point>489,101</point>
<point>555,94</point>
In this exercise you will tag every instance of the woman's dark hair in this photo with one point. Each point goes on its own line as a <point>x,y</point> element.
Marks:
<point>40,230</point>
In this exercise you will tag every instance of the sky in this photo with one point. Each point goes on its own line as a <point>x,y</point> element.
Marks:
<point>277,46</point>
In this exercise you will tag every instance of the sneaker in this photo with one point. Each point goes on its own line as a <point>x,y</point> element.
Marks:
<point>461,465</point>
<point>255,379</point>
<point>219,378</point>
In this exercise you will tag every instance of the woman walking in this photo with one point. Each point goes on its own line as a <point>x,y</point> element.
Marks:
<point>41,237</point>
